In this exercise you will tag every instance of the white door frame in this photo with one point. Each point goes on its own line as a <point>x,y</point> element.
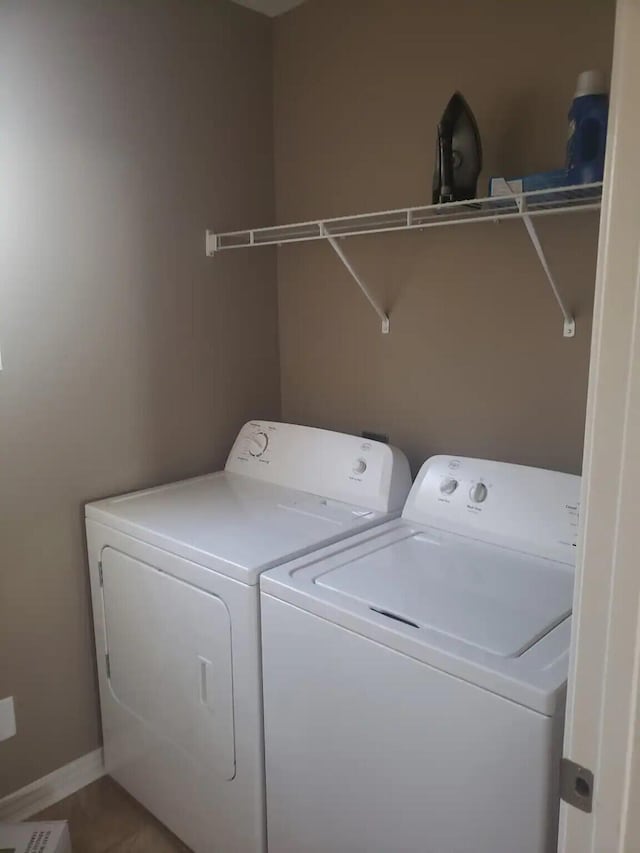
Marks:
<point>603,732</point>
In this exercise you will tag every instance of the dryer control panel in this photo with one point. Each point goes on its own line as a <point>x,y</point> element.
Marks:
<point>530,509</point>
<point>335,465</point>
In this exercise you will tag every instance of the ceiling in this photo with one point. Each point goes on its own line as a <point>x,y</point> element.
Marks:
<point>272,8</point>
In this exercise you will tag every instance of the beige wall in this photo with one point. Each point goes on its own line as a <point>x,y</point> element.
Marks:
<point>129,358</point>
<point>475,362</point>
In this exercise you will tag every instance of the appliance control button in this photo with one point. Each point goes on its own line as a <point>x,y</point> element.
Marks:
<point>258,443</point>
<point>448,486</point>
<point>359,466</point>
<point>478,493</point>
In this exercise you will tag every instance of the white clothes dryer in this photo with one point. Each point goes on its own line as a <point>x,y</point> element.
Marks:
<point>174,582</point>
<point>415,675</point>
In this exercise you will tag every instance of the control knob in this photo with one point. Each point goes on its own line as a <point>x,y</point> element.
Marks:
<point>258,443</point>
<point>448,486</point>
<point>478,493</point>
<point>359,466</point>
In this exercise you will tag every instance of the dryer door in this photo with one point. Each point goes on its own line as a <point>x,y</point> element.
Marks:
<point>169,647</point>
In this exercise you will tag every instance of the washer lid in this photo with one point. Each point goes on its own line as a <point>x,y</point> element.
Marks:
<point>492,598</point>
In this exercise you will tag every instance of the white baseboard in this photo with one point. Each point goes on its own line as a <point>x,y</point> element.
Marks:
<point>52,788</point>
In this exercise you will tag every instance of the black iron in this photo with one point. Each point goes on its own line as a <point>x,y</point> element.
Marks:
<point>458,153</point>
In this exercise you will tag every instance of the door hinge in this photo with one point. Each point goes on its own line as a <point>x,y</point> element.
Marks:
<point>108,664</point>
<point>100,578</point>
<point>576,785</point>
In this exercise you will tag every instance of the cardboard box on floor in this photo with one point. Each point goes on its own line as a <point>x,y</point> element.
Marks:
<point>42,837</point>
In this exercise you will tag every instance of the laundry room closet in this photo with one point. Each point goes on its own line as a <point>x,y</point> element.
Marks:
<point>134,345</point>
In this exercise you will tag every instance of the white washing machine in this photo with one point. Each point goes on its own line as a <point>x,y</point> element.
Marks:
<point>414,677</point>
<point>174,574</point>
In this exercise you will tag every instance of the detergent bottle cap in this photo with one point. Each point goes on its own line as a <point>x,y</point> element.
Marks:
<point>591,82</point>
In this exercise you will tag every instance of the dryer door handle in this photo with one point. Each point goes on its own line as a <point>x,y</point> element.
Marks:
<point>206,682</point>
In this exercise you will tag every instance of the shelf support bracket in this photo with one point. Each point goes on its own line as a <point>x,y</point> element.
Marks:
<point>569,321</point>
<point>210,243</point>
<point>337,248</point>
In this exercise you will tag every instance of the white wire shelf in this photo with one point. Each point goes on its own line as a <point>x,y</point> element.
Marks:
<point>524,206</point>
<point>537,203</point>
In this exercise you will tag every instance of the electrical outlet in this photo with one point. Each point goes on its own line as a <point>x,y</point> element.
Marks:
<point>7,718</point>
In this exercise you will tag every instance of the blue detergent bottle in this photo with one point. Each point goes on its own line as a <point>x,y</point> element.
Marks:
<point>588,129</point>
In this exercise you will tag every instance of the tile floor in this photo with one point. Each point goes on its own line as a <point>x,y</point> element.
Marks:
<point>103,818</point>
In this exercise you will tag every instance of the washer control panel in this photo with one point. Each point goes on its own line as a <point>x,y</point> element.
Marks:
<point>343,467</point>
<point>530,509</point>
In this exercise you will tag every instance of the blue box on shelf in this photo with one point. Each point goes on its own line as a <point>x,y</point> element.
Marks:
<point>507,187</point>
<point>527,183</point>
